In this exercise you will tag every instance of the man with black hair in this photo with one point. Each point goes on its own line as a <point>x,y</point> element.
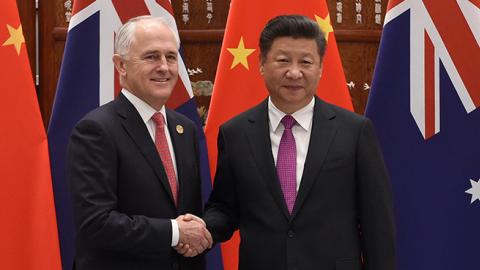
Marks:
<point>303,180</point>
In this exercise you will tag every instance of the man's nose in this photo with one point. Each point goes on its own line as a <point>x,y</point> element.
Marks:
<point>294,72</point>
<point>162,64</point>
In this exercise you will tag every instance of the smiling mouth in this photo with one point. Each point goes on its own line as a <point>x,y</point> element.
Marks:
<point>160,80</point>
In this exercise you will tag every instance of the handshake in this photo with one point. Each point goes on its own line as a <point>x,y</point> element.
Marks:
<point>194,236</point>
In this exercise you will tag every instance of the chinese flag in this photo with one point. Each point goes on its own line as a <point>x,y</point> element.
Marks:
<point>28,230</point>
<point>239,86</point>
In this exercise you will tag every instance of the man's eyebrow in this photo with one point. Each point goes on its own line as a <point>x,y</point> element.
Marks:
<point>157,52</point>
<point>150,52</point>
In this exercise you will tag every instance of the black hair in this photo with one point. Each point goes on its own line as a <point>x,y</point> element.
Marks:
<point>294,26</point>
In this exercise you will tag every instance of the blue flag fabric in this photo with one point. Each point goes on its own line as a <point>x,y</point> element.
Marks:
<point>76,95</point>
<point>423,104</point>
<point>87,81</point>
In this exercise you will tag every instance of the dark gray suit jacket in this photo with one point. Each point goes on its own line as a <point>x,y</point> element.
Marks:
<point>343,210</point>
<point>121,196</point>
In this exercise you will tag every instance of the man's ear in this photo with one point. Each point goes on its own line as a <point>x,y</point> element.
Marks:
<point>120,64</point>
<point>261,61</point>
<point>321,69</point>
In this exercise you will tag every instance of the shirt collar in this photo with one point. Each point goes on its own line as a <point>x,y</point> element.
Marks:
<point>145,110</point>
<point>303,116</point>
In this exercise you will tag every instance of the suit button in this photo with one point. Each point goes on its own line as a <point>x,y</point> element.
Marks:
<point>175,266</point>
<point>291,234</point>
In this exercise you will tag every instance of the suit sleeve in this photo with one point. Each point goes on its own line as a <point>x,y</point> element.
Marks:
<point>92,171</point>
<point>221,212</point>
<point>375,203</point>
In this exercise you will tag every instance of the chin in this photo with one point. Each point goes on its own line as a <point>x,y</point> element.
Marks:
<point>163,91</point>
<point>295,97</point>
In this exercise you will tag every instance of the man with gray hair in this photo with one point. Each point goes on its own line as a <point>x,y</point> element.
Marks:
<point>133,165</point>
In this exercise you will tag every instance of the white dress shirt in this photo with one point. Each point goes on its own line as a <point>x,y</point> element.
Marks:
<point>301,131</point>
<point>146,112</point>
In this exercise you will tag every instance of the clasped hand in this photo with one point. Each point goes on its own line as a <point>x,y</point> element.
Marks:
<point>194,236</point>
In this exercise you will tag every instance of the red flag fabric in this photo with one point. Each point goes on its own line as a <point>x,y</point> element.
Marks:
<point>28,231</point>
<point>239,85</point>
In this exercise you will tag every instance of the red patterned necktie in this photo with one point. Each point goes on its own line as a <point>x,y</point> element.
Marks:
<point>287,163</point>
<point>162,148</point>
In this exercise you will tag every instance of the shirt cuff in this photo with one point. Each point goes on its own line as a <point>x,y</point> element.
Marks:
<point>175,233</point>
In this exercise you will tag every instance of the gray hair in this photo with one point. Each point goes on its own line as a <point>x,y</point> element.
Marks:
<point>125,35</point>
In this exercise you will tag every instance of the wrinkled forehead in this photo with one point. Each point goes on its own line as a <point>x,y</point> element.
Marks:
<point>155,28</point>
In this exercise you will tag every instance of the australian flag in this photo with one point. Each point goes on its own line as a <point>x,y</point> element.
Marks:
<point>424,105</point>
<point>88,80</point>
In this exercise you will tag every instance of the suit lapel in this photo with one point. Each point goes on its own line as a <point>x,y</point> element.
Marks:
<point>134,126</point>
<point>323,131</point>
<point>259,140</point>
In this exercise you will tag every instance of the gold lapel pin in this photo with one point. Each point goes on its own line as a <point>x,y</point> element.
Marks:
<point>179,129</point>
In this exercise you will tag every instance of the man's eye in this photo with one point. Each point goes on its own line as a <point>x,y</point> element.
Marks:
<point>171,58</point>
<point>151,57</point>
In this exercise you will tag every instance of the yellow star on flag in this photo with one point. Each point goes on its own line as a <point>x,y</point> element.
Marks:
<point>240,54</point>
<point>16,37</point>
<point>324,25</point>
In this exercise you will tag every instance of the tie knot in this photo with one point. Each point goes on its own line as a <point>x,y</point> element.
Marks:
<point>288,121</point>
<point>158,119</point>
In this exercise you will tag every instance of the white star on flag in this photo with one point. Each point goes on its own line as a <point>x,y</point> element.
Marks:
<point>474,190</point>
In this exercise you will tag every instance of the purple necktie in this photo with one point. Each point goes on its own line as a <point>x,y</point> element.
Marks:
<point>287,163</point>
